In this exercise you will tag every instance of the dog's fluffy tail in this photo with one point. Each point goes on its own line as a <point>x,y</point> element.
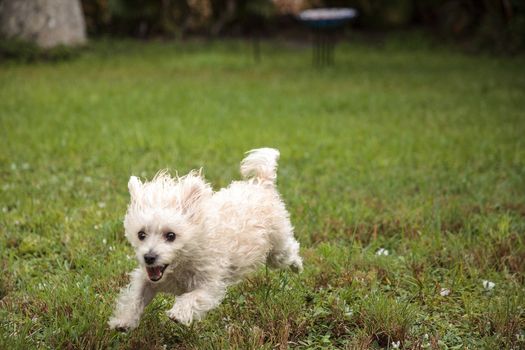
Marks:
<point>261,164</point>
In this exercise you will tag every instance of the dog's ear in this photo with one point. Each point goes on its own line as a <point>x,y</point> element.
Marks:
<point>134,186</point>
<point>192,190</point>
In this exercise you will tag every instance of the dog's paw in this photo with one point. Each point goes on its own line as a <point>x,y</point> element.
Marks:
<point>297,266</point>
<point>181,314</point>
<point>121,325</point>
<point>122,329</point>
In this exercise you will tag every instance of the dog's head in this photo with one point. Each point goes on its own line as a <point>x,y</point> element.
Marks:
<point>163,219</point>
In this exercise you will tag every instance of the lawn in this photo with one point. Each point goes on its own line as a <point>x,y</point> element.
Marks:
<point>408,147</point>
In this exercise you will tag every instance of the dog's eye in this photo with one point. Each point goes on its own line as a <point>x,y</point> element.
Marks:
<point>141,235</point>
<point>170,236</point>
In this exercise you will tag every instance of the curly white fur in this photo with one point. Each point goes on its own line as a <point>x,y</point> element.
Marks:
<point>219,237</point>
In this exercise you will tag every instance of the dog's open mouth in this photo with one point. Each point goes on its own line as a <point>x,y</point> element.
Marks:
<point>155,272</point>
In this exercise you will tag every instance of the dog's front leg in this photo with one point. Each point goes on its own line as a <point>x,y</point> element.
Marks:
<point>131,302</point>
<point>194,305</point>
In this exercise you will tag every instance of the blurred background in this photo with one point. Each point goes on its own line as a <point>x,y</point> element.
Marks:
<point>494,25</point>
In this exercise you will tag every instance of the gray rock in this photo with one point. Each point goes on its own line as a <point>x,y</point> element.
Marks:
<point>47,23</point>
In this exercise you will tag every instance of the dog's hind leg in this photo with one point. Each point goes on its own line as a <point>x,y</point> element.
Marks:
<point>285,249</point>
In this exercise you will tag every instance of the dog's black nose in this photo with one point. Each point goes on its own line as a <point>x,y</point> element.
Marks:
<point>150,258</point>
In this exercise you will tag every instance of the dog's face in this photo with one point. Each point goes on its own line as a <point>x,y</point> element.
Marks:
<point>163,219</point>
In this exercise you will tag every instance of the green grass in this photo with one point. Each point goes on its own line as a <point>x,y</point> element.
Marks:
<point>416,149</point>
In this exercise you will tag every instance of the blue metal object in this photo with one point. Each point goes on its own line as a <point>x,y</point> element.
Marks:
<point>324,22</point>
<point>327,17</point>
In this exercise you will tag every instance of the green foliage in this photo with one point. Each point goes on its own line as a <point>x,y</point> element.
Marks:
<point>497,26</point>
<point>381,14</point>
<point>406,147</point>
<point>386,320</point>
<point>23,51</point>
<point>505,318</point>
<point>153,18</point>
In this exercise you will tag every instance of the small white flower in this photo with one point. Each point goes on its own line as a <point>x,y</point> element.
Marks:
<point>382,251</point>
<point>95,227</point>
<point>396,344</point>
<point>348,311</point>
<point>101,204</point>
<point>425,336</point>
<point>488,285</point>
<point>111,248</point>
<point>443,292</point>
<point>104,241</point>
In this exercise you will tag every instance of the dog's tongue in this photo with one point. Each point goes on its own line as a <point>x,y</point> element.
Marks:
<point>154,273</point>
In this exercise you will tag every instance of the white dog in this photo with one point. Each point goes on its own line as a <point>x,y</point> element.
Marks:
<point>194,243</point>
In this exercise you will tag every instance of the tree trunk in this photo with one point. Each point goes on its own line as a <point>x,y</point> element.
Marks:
<point>47,23</point>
